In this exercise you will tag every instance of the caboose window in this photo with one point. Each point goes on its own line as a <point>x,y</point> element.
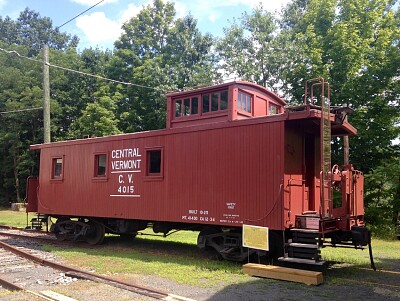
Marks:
<point>217,101</point>
<point>244,102</point>
<point>100,165</point>
<point>195,106</point>
<point>186,106</point>
<point>206,103</point>
<point>214,102</point>
<point>273,109</point>
<point>224,100</point>
<point>178,108</point>
<point>57,170</point>
<point>154,162</point>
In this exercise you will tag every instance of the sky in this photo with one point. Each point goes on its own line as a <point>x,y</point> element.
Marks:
<point>101,26</point>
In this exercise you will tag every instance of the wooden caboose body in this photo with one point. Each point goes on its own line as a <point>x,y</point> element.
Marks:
<point>230,155</point>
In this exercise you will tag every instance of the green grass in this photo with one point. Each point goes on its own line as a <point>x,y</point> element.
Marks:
<point>176,257</point>
<point>175,260</point>
<point>13,218</point>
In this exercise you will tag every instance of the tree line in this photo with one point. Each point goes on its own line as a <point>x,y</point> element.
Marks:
<point>353,44</point>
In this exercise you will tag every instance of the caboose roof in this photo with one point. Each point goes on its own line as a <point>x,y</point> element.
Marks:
<point>199,90</point>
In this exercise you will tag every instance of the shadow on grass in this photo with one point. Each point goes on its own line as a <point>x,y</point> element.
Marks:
<point>341,281</point>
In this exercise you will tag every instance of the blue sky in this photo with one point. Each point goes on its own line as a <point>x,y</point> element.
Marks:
<point>101,26</point>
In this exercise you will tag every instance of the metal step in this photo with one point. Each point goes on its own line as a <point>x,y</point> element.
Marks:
<point>304,230</point>
<point>302,261</point>
<point>300,245</point>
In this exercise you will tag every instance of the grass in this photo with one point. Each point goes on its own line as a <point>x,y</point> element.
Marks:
<point>13,218</point>
<point>177,258</point>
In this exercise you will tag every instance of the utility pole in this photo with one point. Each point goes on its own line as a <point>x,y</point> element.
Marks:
<point>46,95</point>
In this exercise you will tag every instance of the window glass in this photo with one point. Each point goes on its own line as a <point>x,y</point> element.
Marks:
<point>206,103</point>
<point>244,102</point>
<point>57,168</point>
<point>101,161</point>
<point>195,106</point>
<point>248,103</point>
<point>186,106</point>
<point>224,100</point>
<point>273,109</point>
<point>154,162</point>
<point>178,108</point>
<point>214,102</point>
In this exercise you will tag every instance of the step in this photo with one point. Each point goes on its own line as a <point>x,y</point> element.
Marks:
<point>302,261</point>
<point>282,273</point>
<point>305,230</point>
<point>300,245</point>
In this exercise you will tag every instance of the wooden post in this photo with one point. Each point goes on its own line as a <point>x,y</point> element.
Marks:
<point>346,150</point>
<point>46,95</point>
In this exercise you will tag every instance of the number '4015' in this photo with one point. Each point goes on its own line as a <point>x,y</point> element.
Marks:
<point>126,189</point>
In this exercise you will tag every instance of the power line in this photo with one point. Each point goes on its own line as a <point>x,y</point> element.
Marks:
<point>15,53</point>
<point>79,15</point>
<point>21,110</point>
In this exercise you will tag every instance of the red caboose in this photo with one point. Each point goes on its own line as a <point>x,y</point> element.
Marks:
<point>230,155</point>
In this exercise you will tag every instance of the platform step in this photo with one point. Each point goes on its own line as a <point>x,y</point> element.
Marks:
<point>300,245</point>
<point>304,230</point>
<point>282,273</point>
<point>302,261</point>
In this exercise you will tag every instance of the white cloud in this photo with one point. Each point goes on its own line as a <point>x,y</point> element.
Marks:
<point>213,9</point>
<point>92,2</point>
<point>98,28</point>
<point>2,3</point>
<point>130,12</point>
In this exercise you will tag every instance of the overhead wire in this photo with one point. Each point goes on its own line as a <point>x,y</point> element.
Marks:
<point>58,27</point>
<point>21,110</point>
<point>13,52</point>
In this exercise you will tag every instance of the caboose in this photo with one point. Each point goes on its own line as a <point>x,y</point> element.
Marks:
<point>231,154</point>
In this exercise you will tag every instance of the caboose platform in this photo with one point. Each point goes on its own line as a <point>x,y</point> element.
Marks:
<point>281,273</point>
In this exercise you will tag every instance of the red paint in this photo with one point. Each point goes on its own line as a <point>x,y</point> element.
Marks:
<point>224,167</point>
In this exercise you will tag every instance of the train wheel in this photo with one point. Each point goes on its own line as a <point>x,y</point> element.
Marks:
<point>95,234</point>
<point>60,230</point>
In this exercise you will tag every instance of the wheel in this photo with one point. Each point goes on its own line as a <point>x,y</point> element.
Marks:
<point>60,228</point>
<point>95,234</point>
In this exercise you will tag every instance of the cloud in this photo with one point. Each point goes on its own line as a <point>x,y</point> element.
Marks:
<point>130,12</point>
<point>2,3</point>
<point>212,9</point>
<point>98,28</point>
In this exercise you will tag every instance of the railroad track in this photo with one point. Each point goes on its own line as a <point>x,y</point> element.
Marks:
<point>18,254</point>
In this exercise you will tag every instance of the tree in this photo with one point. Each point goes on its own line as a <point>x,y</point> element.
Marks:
<point>20,89</point>
<point>250,50</point>
<point>157,53</point>
<point>33,31</point>
<point>98,118</point>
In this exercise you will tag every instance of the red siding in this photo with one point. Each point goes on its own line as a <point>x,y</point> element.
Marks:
<point>225,174</point>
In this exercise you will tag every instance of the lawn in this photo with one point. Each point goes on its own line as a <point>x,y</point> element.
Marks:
<point>176,257</point>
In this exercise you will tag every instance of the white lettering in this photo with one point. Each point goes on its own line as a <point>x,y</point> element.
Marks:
<point>120,179</point>
<point>125,153</point>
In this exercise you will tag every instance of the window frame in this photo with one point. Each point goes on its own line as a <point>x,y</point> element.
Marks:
<point>53,176</point>
<point>239,103</point>
<point>151,175</point>
<point>210,102</point>
<point>183,106</point>
<point>96,156</point>
<point>277,108</point>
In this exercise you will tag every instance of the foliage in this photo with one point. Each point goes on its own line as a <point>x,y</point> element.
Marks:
<point>33,31</point>
<point>158,53</point>
<point>353,44</point>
